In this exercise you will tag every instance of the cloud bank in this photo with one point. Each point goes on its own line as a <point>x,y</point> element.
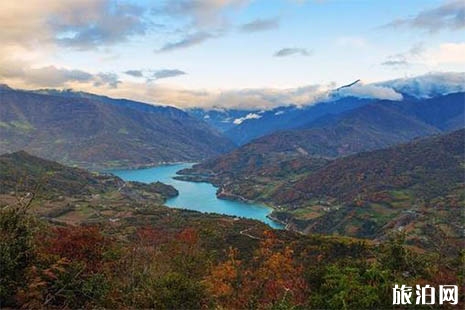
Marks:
<point>449,15</point>
<point>79,24</point>
<point>268,98</point>
<point>370,91</point>
<point>429,85</point>
<point>51,76</point>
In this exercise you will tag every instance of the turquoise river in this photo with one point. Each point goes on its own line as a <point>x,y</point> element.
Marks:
<point>196,196</point>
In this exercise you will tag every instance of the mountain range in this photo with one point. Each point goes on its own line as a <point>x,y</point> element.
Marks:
<point>417,187</point>
<point>368,127</point>
<point>93,131</point>
<point>243,126</point>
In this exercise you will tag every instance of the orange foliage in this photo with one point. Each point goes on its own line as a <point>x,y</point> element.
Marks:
<point>223,282</point>
<point>189,236</point>
<point>150,236</point>
<point>77,244</point>
<point>274,276</point>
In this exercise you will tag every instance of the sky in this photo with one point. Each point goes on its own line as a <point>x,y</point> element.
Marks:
<point>228,53</point>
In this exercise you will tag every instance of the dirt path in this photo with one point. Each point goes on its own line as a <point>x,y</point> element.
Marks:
<point>244,233</point>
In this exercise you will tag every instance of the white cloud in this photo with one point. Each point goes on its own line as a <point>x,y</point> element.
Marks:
<point>443,57</point>
<point>243,99</point>
<point>289,51</point>
<point>167,73</point>
<point>406,58</point>
<point>52,76</point>
<point>260,25</point>
<point>370,91</point>
<point>240,120</point>
<point>187,41</point>
<point>266,99</point>
<point>201,12</point>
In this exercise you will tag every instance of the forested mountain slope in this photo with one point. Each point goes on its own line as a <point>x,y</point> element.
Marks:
<point>94,131</point>
<point>417,187</point>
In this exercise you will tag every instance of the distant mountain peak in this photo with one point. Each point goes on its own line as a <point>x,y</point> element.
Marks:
<point>5,87</point>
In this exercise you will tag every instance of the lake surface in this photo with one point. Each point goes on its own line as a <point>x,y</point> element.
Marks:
<point>196,196</point>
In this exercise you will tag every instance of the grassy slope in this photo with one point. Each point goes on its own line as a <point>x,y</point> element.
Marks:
<point>74,195</point>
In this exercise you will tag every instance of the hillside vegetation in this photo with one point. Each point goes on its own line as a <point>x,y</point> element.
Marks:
<point>417,187</point>
<point>72,195</point>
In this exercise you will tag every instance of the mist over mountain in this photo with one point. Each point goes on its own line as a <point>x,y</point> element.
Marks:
<point>221,119</point>
<point>291,117</point>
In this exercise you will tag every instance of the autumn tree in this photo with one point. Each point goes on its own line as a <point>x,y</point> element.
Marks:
<point>273,278</point>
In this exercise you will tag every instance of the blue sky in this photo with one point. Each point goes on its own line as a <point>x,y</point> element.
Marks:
<point>201,52</point>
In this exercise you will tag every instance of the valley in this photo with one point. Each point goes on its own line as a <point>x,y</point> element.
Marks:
<point>112,239</point>
<point>232,154</point>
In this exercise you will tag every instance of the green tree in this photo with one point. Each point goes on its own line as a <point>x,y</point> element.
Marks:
<point>17,230</point>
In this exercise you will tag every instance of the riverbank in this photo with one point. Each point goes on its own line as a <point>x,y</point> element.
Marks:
<point>109,167</point>
<point>222,193</point>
